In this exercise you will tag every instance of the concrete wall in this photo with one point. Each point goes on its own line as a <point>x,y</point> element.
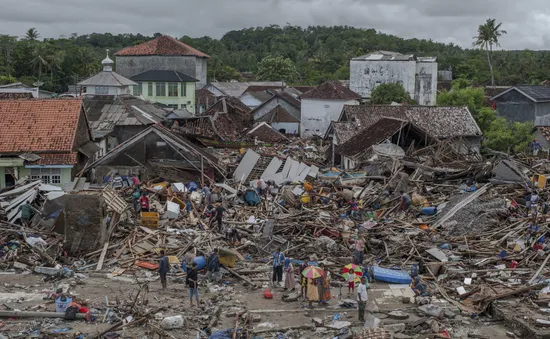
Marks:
<point>418,79</point>
<point>317,115</point>
<point>289,127</point>
<point>366,75</point>
<point>20,172</point>
<point>182,101</point>
<point>128,66</point>
<point>425,91</point>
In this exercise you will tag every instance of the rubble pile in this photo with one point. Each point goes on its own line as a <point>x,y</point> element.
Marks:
<point>455,239</point>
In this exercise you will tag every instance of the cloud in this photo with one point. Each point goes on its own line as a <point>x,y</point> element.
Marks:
<point>445,21</point>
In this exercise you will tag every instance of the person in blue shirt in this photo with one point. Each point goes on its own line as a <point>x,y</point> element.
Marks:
<point>213,267</point>
<point>278,262</point>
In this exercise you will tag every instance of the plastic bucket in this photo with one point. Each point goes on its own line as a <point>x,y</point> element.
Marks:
<point>201,262</point>
<point>61,306</point>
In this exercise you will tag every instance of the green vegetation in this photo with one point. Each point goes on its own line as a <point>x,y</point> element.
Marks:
<point>276,69</point>
<point>487,37</point>
<point>318,53</point>
<point>388,93</point>
<point>498,133</point>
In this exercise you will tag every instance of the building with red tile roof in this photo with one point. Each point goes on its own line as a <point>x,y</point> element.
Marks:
<point>164,53</point>
<point>46,139</point>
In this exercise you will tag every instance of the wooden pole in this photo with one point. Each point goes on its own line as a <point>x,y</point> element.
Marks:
<point>202,171</point>
<point>5,314</point>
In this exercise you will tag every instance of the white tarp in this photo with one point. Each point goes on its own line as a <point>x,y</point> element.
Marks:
<point>389,150</point>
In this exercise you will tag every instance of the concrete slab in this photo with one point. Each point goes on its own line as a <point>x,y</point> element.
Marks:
<point>246,165</point>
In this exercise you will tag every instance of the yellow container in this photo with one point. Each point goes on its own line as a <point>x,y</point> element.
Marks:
<point>539,180</point>
<point>150,219</point>
<point>227,258</point>
<point>305,198</point>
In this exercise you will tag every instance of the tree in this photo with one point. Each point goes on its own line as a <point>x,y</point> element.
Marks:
<point>7,79</point>
<point>503,135</point>
<point>277,69</point>
<point>388,93</point>
<point>487,37</point>
<point>32,34</point>
<point>39,59</point>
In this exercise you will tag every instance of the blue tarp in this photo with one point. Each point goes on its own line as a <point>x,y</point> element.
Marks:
<point>391,276</point>
<point>252,198</point>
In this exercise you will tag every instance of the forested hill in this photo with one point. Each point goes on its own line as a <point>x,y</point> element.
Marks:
<point>318,52</point>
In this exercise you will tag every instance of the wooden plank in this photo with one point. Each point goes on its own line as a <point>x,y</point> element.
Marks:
<point>102,257</point>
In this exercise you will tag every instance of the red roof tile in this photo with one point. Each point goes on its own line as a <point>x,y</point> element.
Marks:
<point>57,159</point>
<point>331,90</point>
<point>163,45</point>
<point>38,126</point>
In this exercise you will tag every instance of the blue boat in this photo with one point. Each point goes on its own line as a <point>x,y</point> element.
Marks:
<point>391,276</point>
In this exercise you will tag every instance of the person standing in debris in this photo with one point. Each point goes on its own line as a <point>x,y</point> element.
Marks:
<point>189,258</point>
<point>27,212</point>
<point>144,202</point>
<point>534,204</point>
<point>354,208</point>
<point>117,181</point>
<point>278,261</point>
<point>362,298</point>
<point>351,283</point>
<point>207,195</point>
<point>324,286</point>
<point>312,291</point>
<point>213,265</point>
<point>359,252</point>
<point>135,198</point>
<point>405,201</point>
<point>164,268</point>
<point>218,216</point>
<point>290,283</point>
<point>303,280</point>
<point>193,283</point>
<point>535,147</point>
<point>262,187</point>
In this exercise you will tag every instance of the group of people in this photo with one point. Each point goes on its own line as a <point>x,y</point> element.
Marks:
<point>190,266</point>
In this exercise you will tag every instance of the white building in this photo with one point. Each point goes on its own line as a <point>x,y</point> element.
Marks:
<point>322,105</point>
<point>107,82</point>
<point>20,88</point>
<point>417,75</point>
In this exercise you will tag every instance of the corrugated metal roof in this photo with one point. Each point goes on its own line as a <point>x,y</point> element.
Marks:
<point>110,79</point>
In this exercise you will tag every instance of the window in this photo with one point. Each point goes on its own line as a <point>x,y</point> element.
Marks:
<point>172,89</point>
<point>47,175</point>
<point>150,89</point>
<point>174,106</point>
<point>101,90</point>
<point>160,89</point>
<point>183,89</point>
<point>184,106</point>
<point>138,90</point>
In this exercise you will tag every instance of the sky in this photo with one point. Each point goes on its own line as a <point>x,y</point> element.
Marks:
<point>527,22</point>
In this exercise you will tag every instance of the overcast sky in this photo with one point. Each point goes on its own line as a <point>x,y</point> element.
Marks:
<point>527,22</point>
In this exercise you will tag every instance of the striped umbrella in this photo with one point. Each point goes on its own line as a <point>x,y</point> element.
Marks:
<point>312,272</point>
<point>352,269</point>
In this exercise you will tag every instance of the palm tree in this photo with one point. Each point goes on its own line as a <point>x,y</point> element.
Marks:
<point>487,37</point>
<point>39,59</point>
<point>32,34</point>
<point>55,60</point>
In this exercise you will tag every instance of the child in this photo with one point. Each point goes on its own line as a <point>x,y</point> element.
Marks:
<point>351,283</point>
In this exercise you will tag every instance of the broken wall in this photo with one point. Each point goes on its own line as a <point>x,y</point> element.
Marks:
<point>365,75</point>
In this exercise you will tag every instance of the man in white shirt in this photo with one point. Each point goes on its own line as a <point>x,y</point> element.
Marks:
<point>362,298</point>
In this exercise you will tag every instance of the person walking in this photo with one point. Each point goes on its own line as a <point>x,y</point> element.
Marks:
<point>278,261</point>
<point>193,283</point>
<point>303,280</point>
<point>362,298</point>
<point>290,282</point>
<point>312,292</point>
<point>164,268</point>
<point>213,265</point>
<point>351,283</point>
<point>359,252</point>
<point>324,286</point>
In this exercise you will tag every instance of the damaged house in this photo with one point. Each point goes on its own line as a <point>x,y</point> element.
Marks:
<point>44,139</point>
<point>115,119</point>
<point>281,111</point>
<point>157,152</point>
<point>224,121</point>
<point>455,124</point>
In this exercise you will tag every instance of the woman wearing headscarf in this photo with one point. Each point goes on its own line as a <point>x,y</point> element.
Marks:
<point>290,283</point>
<point>324,286</point>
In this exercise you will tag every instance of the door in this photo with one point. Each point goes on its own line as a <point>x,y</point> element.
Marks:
<point>9,176</point>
